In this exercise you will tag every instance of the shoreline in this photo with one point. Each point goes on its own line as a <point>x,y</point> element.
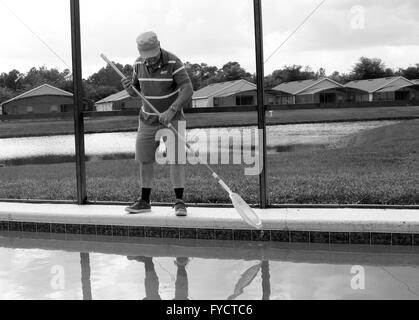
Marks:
<point>269,124</point>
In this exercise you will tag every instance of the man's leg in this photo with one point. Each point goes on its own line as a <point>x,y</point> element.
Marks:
<point>177,177</point>
<point>145,150</point>
<point>177,170</point>
<point>146,180</point>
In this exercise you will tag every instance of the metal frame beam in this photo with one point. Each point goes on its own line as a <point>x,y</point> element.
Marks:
<point>260,74</point>
<point>78,102</point>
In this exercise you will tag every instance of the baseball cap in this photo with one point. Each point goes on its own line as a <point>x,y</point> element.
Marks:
<point>148,44</point>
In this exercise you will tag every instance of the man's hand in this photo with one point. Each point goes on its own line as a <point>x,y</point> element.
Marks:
<point>167,116</point>
<point>127,84</point>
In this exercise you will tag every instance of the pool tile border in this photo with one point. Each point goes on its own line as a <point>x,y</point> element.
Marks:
<point>91,232</point>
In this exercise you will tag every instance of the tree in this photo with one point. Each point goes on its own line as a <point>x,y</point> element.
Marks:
<point>321,73</point>
<point>108,77</point>
<point>410,72</point>
<point>202,74</point>
<point>233,71</point>
<point>5,94</point>
<point>368,68</point>
<point>12,80</point>
<point>288,74</point>
<point>341,78</point>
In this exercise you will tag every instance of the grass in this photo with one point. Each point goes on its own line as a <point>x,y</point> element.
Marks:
<point>9,129</point>
<point>378,166</point>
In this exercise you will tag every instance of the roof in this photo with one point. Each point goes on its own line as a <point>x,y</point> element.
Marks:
<point>115,97</point>
<point>310,86</point>
<point>416,81</point>
<point>224,88</point>
<point>380,85</point>
<point>43,90</point>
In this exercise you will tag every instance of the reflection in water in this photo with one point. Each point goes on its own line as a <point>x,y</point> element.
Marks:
<point>266,284</point>
<point>248,272</point>
<point>247,278</point>
<point>85,276</point>
<point>151,280</point>
<point>181,287</point>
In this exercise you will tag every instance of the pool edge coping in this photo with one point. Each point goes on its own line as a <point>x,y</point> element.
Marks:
<point>338,226</point>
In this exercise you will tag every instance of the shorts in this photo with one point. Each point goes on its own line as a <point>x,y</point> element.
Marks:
<point>148,141</point>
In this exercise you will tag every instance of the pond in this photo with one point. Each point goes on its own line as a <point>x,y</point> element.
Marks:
<point>280,136</point>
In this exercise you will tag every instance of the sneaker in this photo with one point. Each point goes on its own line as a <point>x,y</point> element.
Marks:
<point>139,206</point>
<point>180,208</point>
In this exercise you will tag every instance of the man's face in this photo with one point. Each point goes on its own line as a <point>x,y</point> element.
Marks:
<point>153,61</point>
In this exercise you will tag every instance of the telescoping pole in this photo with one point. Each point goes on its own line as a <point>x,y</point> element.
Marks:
<point>257,4</point>
<point>78,102</point>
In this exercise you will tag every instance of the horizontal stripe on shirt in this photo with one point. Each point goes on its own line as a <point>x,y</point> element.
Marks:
<point>163,97</point>
<point>155,80</point>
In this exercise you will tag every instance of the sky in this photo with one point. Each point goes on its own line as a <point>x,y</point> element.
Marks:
<point>213,31</point>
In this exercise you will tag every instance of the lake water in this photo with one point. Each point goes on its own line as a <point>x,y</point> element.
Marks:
<point>323,134</point>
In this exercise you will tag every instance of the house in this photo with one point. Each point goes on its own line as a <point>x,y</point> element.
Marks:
<point>229,94</point>
<point>323,90</point>
<point>41,100</point>
<point>118,101</point>
<point>382,89</point>
<point>232,93</point>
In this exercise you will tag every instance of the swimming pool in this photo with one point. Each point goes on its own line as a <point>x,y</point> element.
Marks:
<point>46,266</point>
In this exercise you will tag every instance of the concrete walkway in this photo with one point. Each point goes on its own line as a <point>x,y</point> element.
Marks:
<point>322,220</point>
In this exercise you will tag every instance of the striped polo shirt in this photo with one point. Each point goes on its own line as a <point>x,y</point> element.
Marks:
<point>160,85</point>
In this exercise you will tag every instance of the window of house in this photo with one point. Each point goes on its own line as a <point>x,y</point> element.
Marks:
<point>55,109</point>
<point>244,100</point>
<point>29,109</point>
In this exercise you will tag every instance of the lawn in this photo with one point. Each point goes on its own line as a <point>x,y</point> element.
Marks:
<point>378,166</point>
<point>26,128</point>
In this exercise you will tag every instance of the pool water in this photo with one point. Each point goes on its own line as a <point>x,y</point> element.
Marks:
<point>55,269</point>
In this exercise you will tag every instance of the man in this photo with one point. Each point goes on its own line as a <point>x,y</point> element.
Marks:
<point>163,80</point>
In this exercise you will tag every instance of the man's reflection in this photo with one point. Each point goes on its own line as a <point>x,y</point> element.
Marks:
<point>181,286</point>
<point>151,280</point>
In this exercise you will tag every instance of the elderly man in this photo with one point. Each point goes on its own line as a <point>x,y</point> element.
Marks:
<point>163,80</point>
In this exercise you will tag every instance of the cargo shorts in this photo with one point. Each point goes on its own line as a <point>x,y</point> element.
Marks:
<point>148,141</point>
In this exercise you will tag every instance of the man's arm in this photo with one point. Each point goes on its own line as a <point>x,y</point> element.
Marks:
<point>128,83</point>
<point>185,94</point>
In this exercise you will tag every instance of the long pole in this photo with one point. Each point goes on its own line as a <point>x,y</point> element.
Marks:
<point>78,102</point>
<point>260,74</point>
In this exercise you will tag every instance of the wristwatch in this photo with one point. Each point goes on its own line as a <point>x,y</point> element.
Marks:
<point>172,107</point>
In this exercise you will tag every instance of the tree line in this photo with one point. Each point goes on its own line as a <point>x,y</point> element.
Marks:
<point>105,82</point>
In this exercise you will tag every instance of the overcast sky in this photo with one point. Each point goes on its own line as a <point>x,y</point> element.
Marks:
<point>214,32</point>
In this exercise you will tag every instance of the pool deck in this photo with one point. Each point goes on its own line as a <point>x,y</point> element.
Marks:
<point>358,226</point>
